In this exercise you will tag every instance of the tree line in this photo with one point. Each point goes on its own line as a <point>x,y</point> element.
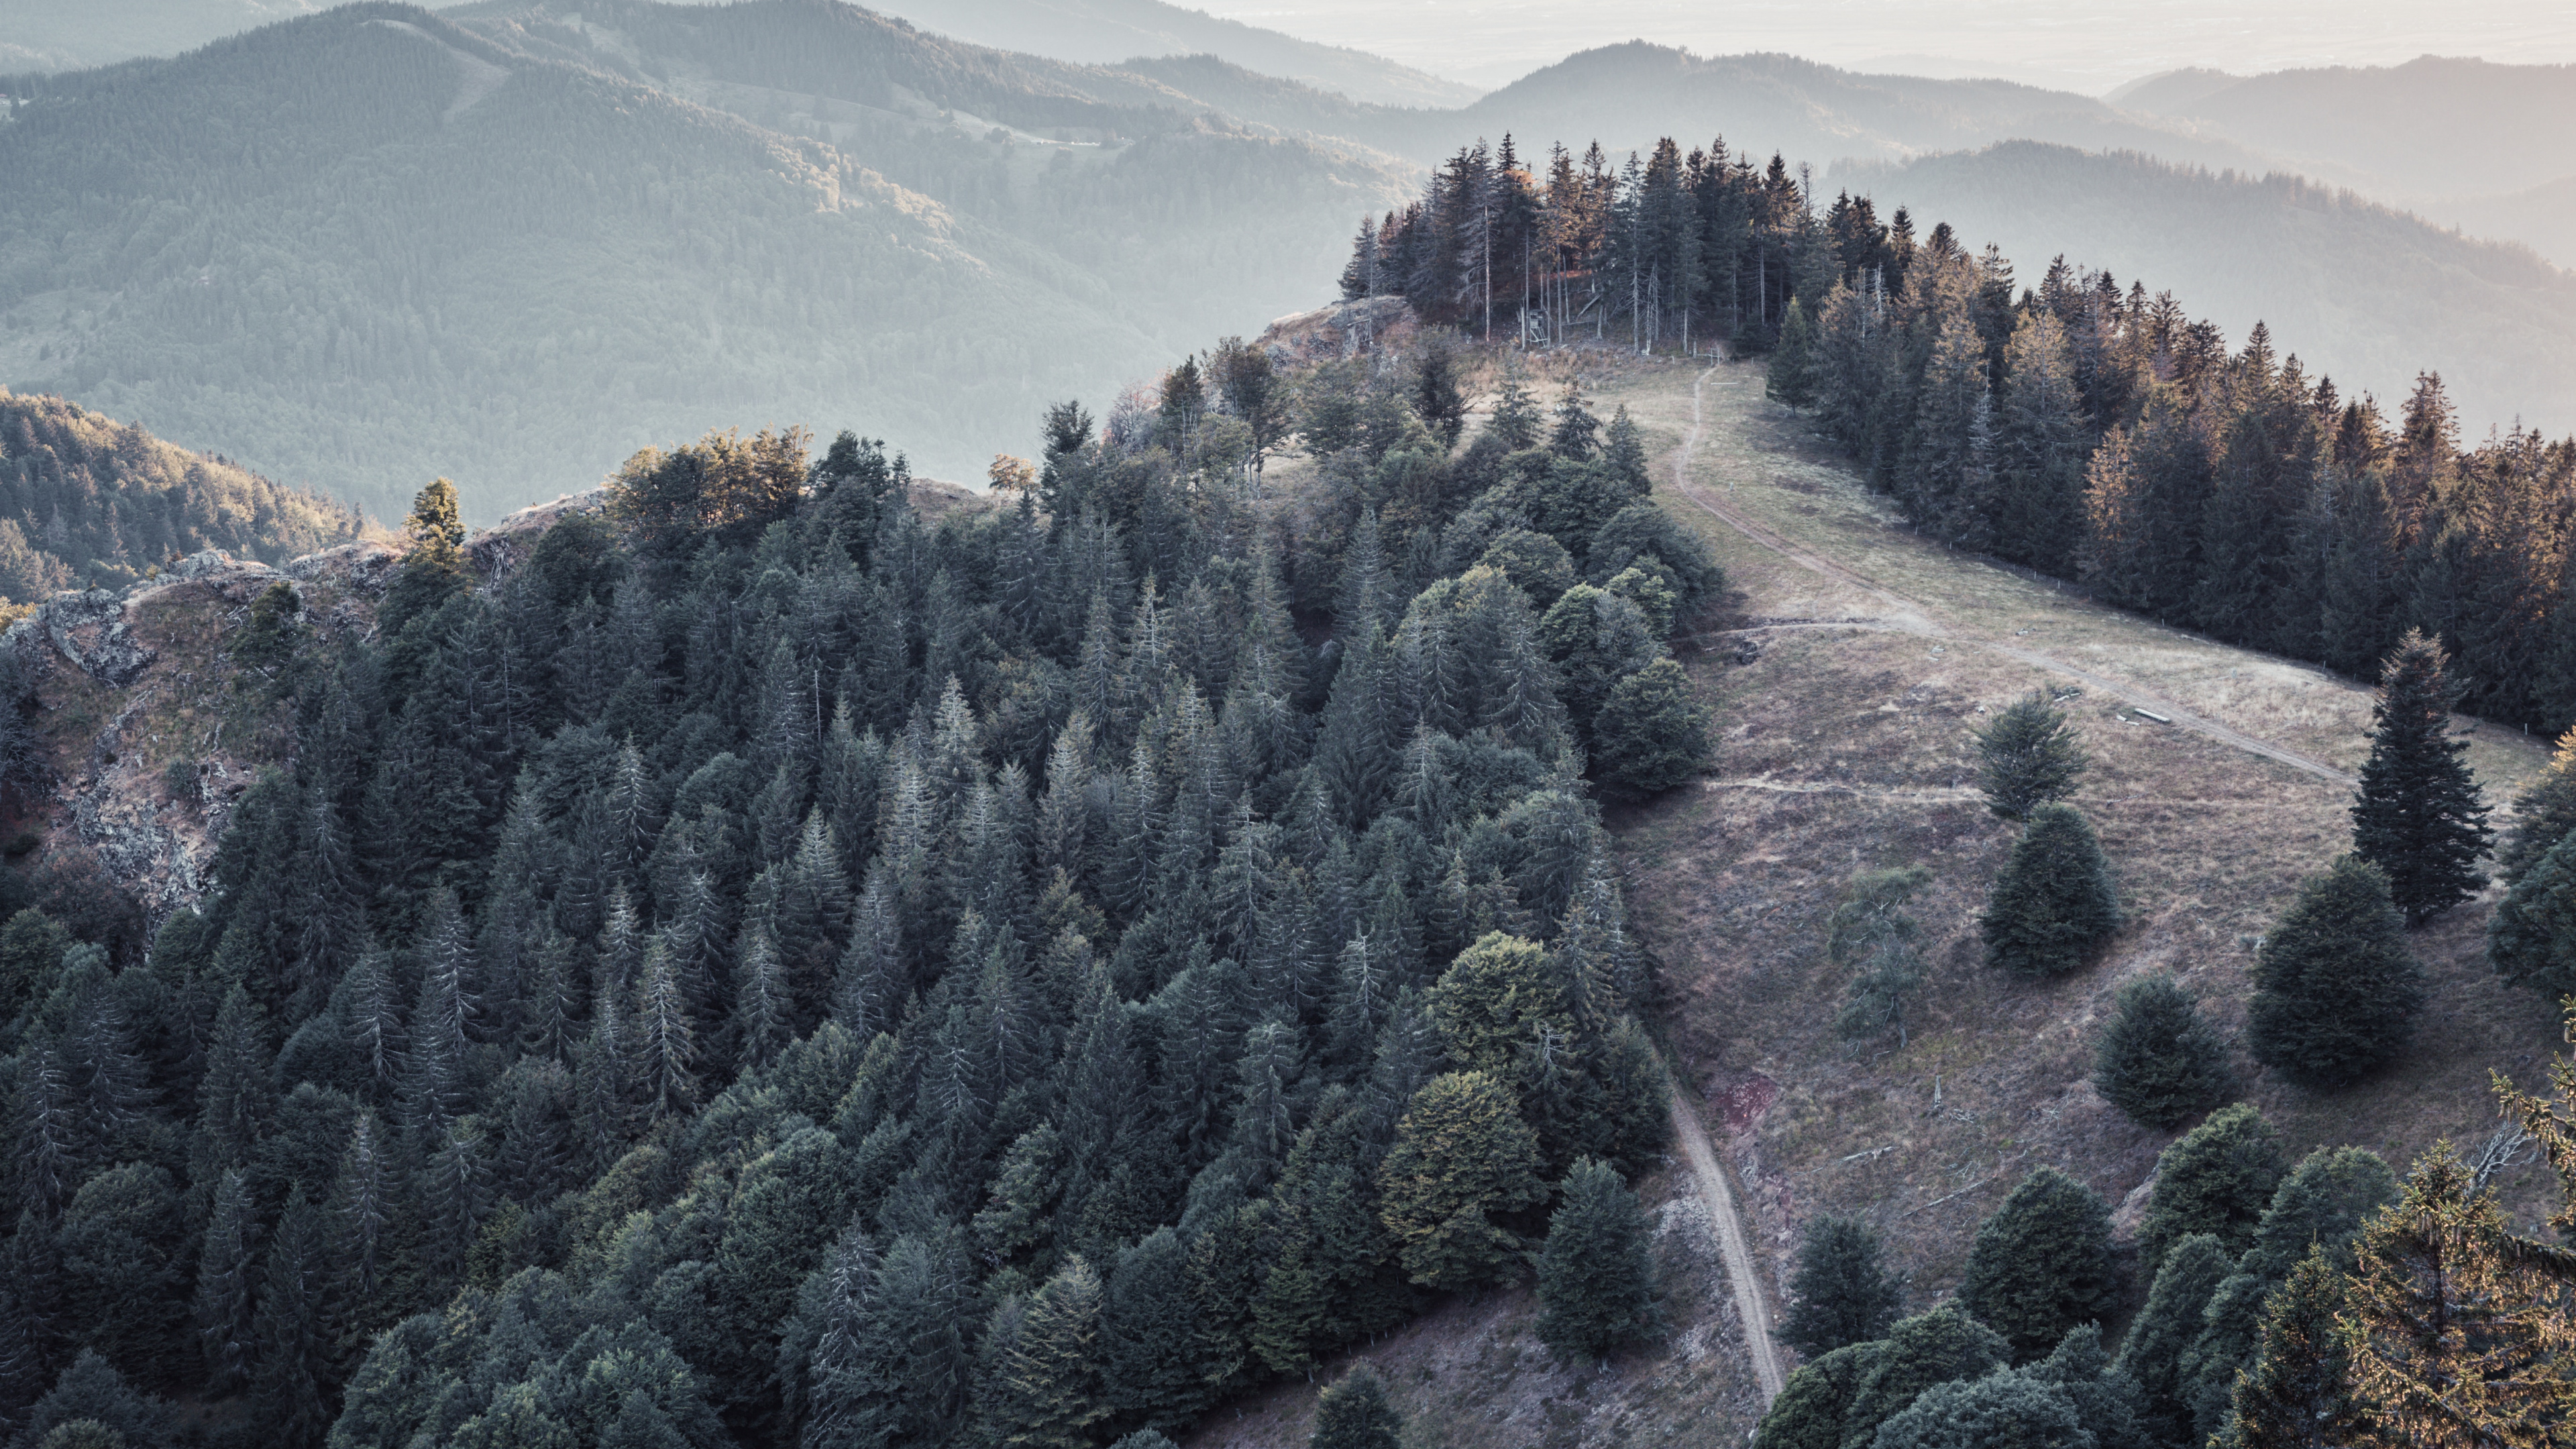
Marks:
<point>773,967</point>
<point>2085,430</point>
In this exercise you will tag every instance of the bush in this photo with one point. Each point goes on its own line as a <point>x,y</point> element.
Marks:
<point>2027,756</point>
<point>2335,989</point>
<point>1650,734</point>
<point>2158,1062</point>
<point>1354,1414</point>
<point>2042,1264</point>
<point>2055,902</point>
<point>1841,1295</point>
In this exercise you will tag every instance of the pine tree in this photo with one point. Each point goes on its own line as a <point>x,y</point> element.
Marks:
<point>2531,939</point>
<point>2419,817</point>
<point>1596,1281</point>
<point>2055,902</point>
<point>1841,1294</point>
<point>2163,1330</point>
<point>1651,734</point>
<point>1353,1413</point>
<point>2335,987</point>
<point>2157,1061</point>
<point>2027,755</point>
<point>1051,1383</point>
<point>2042,1264</point>
<point>1462,1157</point>
<point>2218,1179</point>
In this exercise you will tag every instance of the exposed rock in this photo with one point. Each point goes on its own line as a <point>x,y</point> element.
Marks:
<point>1344,329</point>
<point>497,550</point>
<point>366,566</point>
<point>89,627</point>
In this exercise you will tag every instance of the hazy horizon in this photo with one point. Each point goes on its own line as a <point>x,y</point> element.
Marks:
<point>2091,49</point>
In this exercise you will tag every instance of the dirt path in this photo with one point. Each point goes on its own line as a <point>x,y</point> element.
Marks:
<point>1912,617</point>
<point>1718,1196</point>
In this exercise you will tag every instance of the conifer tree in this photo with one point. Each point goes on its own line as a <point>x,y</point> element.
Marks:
<point>1623,451</point>
<point>1576,427</point>
<point>1841,1294</point>
<point>2163,1330</point>
<point>1149,1334</point>
<point>1353,1413</point>
<point>2157,1061</point>
<point>1815,1404</point>
<point>1596,1281</point>
<point>2531,939</point>
<point>1049,1395</point>
<point>225,1280</point>
<point>2419,817</point>
<point>2298,1391</point>
<point>2042,1264</point>
<point>1462,1158</point>
<point>2335,987</point>
<point>293,1375</point>
<point>1515,421</point>
<point>1650,734</point>
<point>1999,1409</point>
<point>2055,902</point>
<point>2027,756</point>
<point>2544,813</point>
<point>1938,1347</point>
<point>2218,1179</point>
<point>1790,377</point>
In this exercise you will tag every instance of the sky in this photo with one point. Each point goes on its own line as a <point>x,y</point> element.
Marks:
<point>2088,46</point>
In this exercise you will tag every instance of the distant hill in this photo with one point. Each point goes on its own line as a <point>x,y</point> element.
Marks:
<point>2366,293</point>
<point>364,247</point>
<point>68,34</point>
<point>86,499</point>
<point>1100,31</point>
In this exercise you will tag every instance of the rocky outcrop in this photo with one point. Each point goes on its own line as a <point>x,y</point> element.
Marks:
<point>89,627</point>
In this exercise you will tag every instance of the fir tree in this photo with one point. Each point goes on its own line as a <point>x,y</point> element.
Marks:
<point>2531,939</point>
<point>225,1280</point>
<point>297,1330</point>
<point>1050,1389</point>
<point>2218,1179</point>
<point>1650,734</point>
<point>1930,1348</point>
<point>1353,1413</point>
<point>1999,1409</point>
<point>2042,1264</point>
<point>1815,1404</point>
<point>2419,817</point>
<point>2027,756</point>
<point>2335,987</point>
<point>1596,1281</point>
<point>2163,1330</point>
<point>2298,1392</point>
<point>2544,813</point>
<point>1790,377</point>
<point>2055,901</point>
<point>2157,1061</point>
<point>1841,1294</point>
<point>1515,421</point>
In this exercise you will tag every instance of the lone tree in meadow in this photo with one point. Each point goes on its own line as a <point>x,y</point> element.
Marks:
<point>2335,988</point>
<point>2027,756</point>
<point>2418,816</point>
<point>2055,901</point>
<point>2042,1264</point>
<point>1596,1281</point>
<point>1353,1413</point>
<point>2158,1062</point>
<point>1841,1294</point>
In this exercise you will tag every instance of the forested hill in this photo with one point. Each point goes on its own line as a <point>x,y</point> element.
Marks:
<point>771,969</point>
<point>88,500</point>
<point>365,247</point>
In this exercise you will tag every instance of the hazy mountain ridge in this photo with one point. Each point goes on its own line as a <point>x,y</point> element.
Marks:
<point>287,247</point>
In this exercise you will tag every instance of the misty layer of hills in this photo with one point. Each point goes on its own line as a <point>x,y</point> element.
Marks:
<point>515,240</point>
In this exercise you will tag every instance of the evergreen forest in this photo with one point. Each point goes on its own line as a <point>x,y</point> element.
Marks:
<point>2092,432</point>
<point>774,969</point>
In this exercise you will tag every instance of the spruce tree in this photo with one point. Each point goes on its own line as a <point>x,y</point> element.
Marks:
<point>1051,1382</point>
<point>1993,1412</point>
<point>1353,1413</point>
<point>1650,734</point>
<point>1841,1294</point>
<point>2336,987</point>
<point>1596,1280</point>
<point>2544,813</point>
<point>2163,1330</point>
<point>2055,902</point>
<point>1815,1404</point>
<point>2218,1179</point>
<point>1790,377</point>
<point>225,1279</point>
<point>2531,939</point>
<point>2027,755</point>
<point>2419,816</point>
<point>2298,1391</point>
<point>2157,1061</point>
<point>2042,1264</point>
<point>1919,1352</point>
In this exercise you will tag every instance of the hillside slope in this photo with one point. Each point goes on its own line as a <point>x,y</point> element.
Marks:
<point>1845,674</point>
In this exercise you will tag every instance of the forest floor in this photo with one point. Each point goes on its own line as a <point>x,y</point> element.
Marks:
<point>1849,665</point>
